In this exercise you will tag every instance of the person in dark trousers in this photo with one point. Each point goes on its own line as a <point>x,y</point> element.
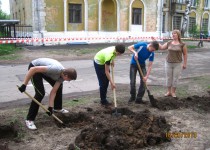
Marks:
<point>141,52</point>
<point>55,74</point>
<point>102,61</point>
<point>200,43</point>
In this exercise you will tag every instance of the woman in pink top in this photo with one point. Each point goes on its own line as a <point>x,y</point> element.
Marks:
<point>177,50</point>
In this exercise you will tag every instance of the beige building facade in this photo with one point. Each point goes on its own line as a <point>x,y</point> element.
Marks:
<point>107,18</point>
<point>173,16</point>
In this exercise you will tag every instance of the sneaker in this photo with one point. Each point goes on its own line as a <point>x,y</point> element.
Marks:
<point>64,111</point>
<point>30,125</point>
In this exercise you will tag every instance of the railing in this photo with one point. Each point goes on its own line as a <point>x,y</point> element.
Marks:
<point>22,31</point>
<point>15,32</point>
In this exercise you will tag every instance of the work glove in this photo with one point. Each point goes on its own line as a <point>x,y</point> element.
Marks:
<point>22,88</point>
<point>50,112</point>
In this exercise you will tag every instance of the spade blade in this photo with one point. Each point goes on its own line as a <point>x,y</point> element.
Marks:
<point>153,101</point>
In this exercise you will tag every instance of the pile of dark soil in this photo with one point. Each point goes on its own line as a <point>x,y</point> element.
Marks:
<point>7,133</point>
<point>196,103</point>
<point>131,130</point>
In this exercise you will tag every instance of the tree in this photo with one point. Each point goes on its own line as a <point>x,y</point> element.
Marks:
<point>3,15</point>
<point>186,16</point>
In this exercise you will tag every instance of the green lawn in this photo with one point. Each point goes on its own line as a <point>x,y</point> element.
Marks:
<point>6,49</point>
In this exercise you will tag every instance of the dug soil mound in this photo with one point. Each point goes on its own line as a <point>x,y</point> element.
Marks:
<point>196,103</point>
<point>9,132</point>
<point>127,130</point>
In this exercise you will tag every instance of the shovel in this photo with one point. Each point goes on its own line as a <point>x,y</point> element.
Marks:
<point>153,101</point>
<point>114,93</point>
<point>37,102</point>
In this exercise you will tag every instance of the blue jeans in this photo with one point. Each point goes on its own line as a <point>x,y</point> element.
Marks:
<point>102,80</point>
<point>133,72</point>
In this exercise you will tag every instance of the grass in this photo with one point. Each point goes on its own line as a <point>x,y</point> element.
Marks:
<point>10,57</point>
<point>76,51</point>
<point>9,52</point>
<point>193,86</point>
<point>182,91</point>
<point>86,51</point>
<point>191,46</point>
<point>75,102</point>
<point>15,120</point>
<point>6,49</point>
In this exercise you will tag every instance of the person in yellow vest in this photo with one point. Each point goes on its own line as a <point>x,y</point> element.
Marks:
<point>102,61</point>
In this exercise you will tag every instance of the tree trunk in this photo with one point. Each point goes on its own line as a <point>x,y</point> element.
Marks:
<point>185,20</point>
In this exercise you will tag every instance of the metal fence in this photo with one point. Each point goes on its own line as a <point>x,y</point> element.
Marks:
<point>22,31</point>
<point>16,32</point>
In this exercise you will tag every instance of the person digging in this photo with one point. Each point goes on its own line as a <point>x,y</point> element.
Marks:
<point>141,52</point>
<point>102,61</point>
<point>55,74</point>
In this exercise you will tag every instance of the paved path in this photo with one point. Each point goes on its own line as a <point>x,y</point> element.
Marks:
<point>12,75</point>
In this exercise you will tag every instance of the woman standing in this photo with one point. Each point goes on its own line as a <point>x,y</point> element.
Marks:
<point>176,60</point>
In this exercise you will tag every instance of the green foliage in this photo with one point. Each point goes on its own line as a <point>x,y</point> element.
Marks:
<point>6,49</point>
<point>197,1</point>
<point>3,15</point>
<point>194,31</point>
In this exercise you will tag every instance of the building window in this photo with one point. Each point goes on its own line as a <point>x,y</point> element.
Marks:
<point>177,22</point>
<point>193,3</point>
<point>192,24</point>
<point>205,24</point>
<point>163,25</point>
<point>24,16</point>
<point>206,5</point>
<point>180,1</point>
<point>75,13</point>
<point>20,17</point>
<point>136,16</point>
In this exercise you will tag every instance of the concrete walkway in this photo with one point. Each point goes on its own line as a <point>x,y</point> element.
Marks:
<point>12,75</point>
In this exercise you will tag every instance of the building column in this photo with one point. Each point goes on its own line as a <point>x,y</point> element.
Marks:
<point>65,19</point>
<point>86,15</point>
<point>99,16</point>
<point>159,17</point>
<point>118,15</point>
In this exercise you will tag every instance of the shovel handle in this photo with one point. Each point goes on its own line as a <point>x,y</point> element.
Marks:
<point>114,92</point>
<point>151,98</point>
<point>36,101</point>
<point>141,73</point>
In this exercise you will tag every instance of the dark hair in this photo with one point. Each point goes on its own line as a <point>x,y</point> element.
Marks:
<point>71,73</point>
<point>155,44</point>
<point>120,48</point>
